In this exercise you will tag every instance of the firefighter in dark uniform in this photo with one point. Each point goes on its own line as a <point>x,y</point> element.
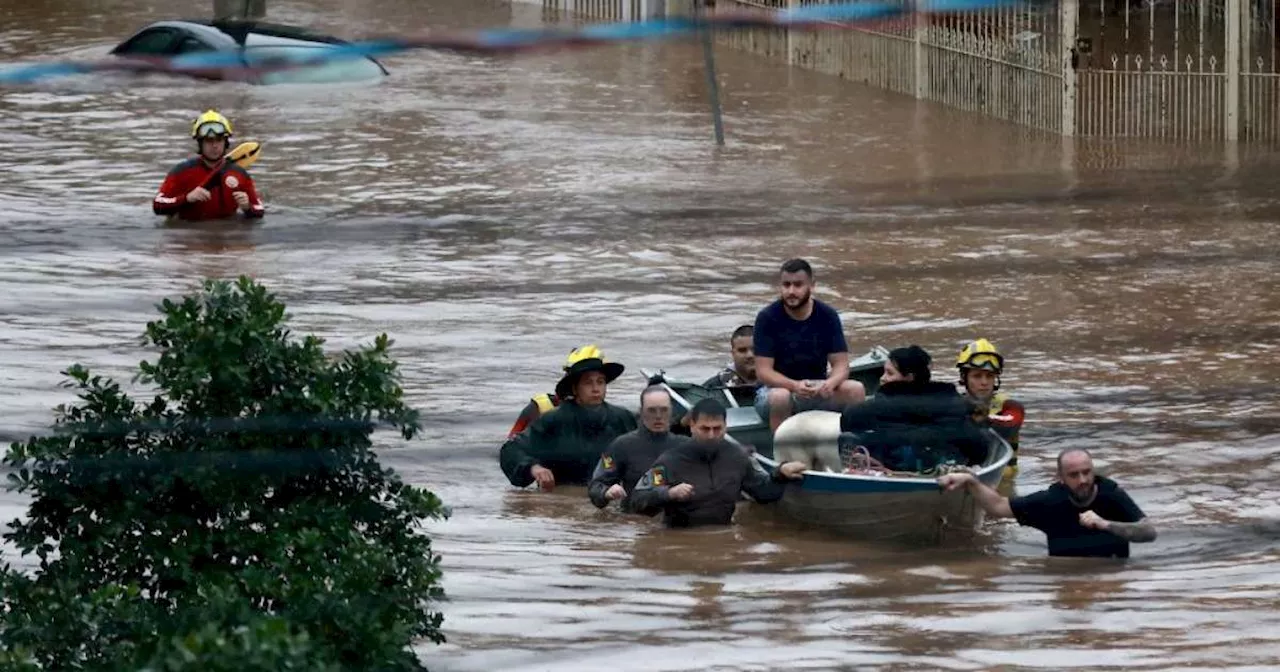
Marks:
<point>543,402</point>
<point>564,445</point>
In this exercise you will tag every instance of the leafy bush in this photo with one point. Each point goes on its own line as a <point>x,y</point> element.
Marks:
<point>239,520</point>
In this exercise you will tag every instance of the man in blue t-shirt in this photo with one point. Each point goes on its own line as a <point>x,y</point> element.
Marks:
<point>1082,514</point>
<point>802,359</point>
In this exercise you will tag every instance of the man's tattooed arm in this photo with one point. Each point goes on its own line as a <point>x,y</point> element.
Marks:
<point>1138,533</point>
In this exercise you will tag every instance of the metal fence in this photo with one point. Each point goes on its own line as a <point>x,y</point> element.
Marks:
<point>1260,85</point>
<point>1005,63</point>
<point>1176,69</point>
<point>608,10</point>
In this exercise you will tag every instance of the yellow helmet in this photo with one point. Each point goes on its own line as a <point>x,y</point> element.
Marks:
<point>211,124</point>
<point>981,354</point>
<point>583,353</point>
<point>581,360</point>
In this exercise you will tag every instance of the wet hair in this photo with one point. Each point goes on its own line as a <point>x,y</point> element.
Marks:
<point>708,408</point>
<point>650,390</point>
<point>912,360</point>
<point>797,266</point>
<point>1068,451</point>
<point>745,331</point>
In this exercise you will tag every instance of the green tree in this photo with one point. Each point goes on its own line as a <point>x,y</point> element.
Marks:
<point>240,520</point>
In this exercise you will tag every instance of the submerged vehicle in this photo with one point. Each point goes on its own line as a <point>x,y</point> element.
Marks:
<point>867,504</point>
<point>257,42</point>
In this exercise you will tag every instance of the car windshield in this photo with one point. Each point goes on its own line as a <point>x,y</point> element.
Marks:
<point>344,70</point>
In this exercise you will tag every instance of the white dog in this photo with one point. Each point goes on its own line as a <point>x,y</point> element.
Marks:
<point>811,437</point>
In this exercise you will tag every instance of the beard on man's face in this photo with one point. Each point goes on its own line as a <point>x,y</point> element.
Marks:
<point>793,301</point>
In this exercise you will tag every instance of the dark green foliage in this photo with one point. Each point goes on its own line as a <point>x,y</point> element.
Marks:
<point>237,521</point>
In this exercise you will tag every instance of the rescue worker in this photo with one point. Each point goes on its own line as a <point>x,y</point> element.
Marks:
<point>914,423</point>
<point>699,482</point>
<point>630,455</point>
<point>208,186</point>
<point>563,446</point>
<point>1081,514</point>
<point>542,403</point>
<point>980,365</point>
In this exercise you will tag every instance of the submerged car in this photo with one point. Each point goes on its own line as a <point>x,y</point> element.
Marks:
<point>256,41</point>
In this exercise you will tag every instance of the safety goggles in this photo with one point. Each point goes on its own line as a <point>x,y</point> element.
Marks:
<point>986,361</point>
<point>211,129</point>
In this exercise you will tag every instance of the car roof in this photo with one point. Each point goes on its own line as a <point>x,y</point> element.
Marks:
<point>241,33</point>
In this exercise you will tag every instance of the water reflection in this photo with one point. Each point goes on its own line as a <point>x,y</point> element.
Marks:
<point>491,214</point>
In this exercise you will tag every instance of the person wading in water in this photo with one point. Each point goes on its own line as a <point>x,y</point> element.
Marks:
<point>208,186</point>
<point>700,482</point>
<point>631,455</point>
<point>1082,514</point>
<point>563,446</point>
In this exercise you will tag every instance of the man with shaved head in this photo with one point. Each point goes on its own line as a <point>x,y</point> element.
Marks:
<point>1082,514</point>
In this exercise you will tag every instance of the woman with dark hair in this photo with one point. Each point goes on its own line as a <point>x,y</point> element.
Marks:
<point>914,423</point>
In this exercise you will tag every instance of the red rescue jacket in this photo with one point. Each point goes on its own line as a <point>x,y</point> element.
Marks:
<point>192,173</point>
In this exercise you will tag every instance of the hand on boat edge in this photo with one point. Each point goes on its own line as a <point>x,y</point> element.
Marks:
<point>793,471</point>
<point>949,482</point>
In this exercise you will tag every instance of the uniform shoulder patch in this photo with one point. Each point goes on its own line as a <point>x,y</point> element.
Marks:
<point>607,460</point>
<point>658,475</point>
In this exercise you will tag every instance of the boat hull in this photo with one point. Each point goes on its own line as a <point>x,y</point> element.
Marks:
<point>888,507</point>
<point>863,507</point>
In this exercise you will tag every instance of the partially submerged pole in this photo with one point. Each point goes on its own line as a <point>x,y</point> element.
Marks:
<point>709,65</point>
<point>243,10</point>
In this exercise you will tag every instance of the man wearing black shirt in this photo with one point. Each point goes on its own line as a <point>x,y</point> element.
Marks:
<point>1083,514</point>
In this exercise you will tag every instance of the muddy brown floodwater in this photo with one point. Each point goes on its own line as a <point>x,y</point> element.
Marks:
<point>492,213</point>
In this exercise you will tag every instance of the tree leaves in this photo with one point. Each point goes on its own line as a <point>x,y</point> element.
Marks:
<point>238,520</point>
